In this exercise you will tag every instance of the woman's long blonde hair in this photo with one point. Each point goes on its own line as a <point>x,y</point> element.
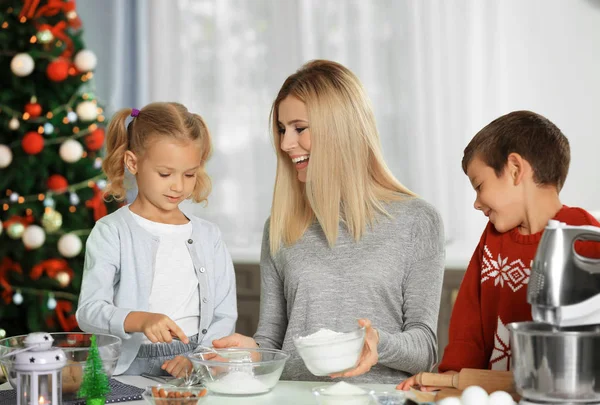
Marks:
<point>347,178</point>
<point>171,120</point>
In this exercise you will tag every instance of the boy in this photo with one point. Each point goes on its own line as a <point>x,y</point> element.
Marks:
<point>517,165</point>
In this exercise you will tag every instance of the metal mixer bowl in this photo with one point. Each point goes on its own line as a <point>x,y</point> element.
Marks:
<point>556,365</point>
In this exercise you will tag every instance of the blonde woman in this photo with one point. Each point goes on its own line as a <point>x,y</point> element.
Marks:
<point>345,241</point>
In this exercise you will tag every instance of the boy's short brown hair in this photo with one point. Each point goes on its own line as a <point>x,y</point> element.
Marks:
<point>532,136</point>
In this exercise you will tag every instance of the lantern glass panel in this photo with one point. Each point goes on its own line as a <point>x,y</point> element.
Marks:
<point>44,389</point>
<point>25,384</point>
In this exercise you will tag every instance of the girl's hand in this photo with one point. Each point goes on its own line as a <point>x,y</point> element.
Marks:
<point>369,356</point>
<point>161,328</point>
<point>235,340</point>
<point>178,366</point>
<point>156,327</point>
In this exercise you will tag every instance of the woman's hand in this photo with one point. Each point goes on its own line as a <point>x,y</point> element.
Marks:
<point>235,340</point>
<point>369,355</point>
<point>178,366</point>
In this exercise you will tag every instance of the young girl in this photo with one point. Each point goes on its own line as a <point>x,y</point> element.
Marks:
<point>151,273</point>
<point>345,239</point>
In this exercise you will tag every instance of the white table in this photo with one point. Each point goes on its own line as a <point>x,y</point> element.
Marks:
<point>284,393</point>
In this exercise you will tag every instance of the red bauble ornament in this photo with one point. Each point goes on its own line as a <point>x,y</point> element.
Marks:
<point>95,140</point>
<point>57,183</point>
<point>33,109</point>
<point>32,143</point>
<point>58,70</point>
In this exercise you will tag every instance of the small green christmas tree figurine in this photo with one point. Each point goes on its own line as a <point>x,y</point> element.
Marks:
<point>94,387</point>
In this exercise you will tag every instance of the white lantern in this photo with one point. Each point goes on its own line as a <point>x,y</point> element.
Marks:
<point>34,237</point>
<point>39,371</point>
<point>5,156</point>
<point>85,60</point>
<point>22,64</point>
<point>87,111</point>
<point>70,151</point>
<point>69,245</point>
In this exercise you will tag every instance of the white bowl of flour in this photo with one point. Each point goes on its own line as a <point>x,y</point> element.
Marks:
<point>326,352</point>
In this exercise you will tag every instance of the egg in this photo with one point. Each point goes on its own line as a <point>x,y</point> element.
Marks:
<point>474,395</point>
<point>500,398</point>
<point>450,401</point>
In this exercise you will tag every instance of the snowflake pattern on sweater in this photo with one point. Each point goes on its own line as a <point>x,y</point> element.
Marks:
<point>501,355</point>
<point>515,274</point>
<point>502,272</point>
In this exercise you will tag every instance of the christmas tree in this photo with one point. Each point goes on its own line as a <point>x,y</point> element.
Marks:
<point>51,134</point>
<point>95,384</point>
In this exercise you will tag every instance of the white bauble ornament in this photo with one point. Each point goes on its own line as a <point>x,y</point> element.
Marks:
<point>74,199</point>
<point>51,303</point>
<point>48,128</point>
<point>5,156</point>
<point>14,124</point>
<point>15,230</point>
<point>87,111</point>
<point>69,245</point>
<point>33,237</point>
<point>85,60</point>
<point>22,64</point>
<point>51,220</point>
<point>45,36</point>
<point>63,278</point>
<point>18,298</point>
<point>70,151</point>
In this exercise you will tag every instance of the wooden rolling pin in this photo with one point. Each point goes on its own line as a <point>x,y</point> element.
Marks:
<point>489,380</point>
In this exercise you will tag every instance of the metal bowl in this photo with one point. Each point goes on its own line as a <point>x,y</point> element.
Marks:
<point>556,365</point>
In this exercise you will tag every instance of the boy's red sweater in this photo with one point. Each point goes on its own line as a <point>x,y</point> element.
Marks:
<point>493,294</point>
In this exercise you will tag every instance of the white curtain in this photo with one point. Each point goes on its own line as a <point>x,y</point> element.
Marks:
<point>227,59</point>
<point>436,71</point>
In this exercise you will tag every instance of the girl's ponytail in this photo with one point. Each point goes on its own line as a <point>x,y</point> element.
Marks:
<point>117,143</point>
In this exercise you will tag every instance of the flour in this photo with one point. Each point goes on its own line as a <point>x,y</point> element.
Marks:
<point>320,334</point>
<point>343,388</point>
<point>326,352</point>
<point>237,383</point>
<point>343,393</point>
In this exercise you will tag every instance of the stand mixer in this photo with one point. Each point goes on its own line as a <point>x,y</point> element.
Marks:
<point>556,358</point>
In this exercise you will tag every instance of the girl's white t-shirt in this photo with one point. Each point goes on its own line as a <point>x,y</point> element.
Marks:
<point>175,285</point>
